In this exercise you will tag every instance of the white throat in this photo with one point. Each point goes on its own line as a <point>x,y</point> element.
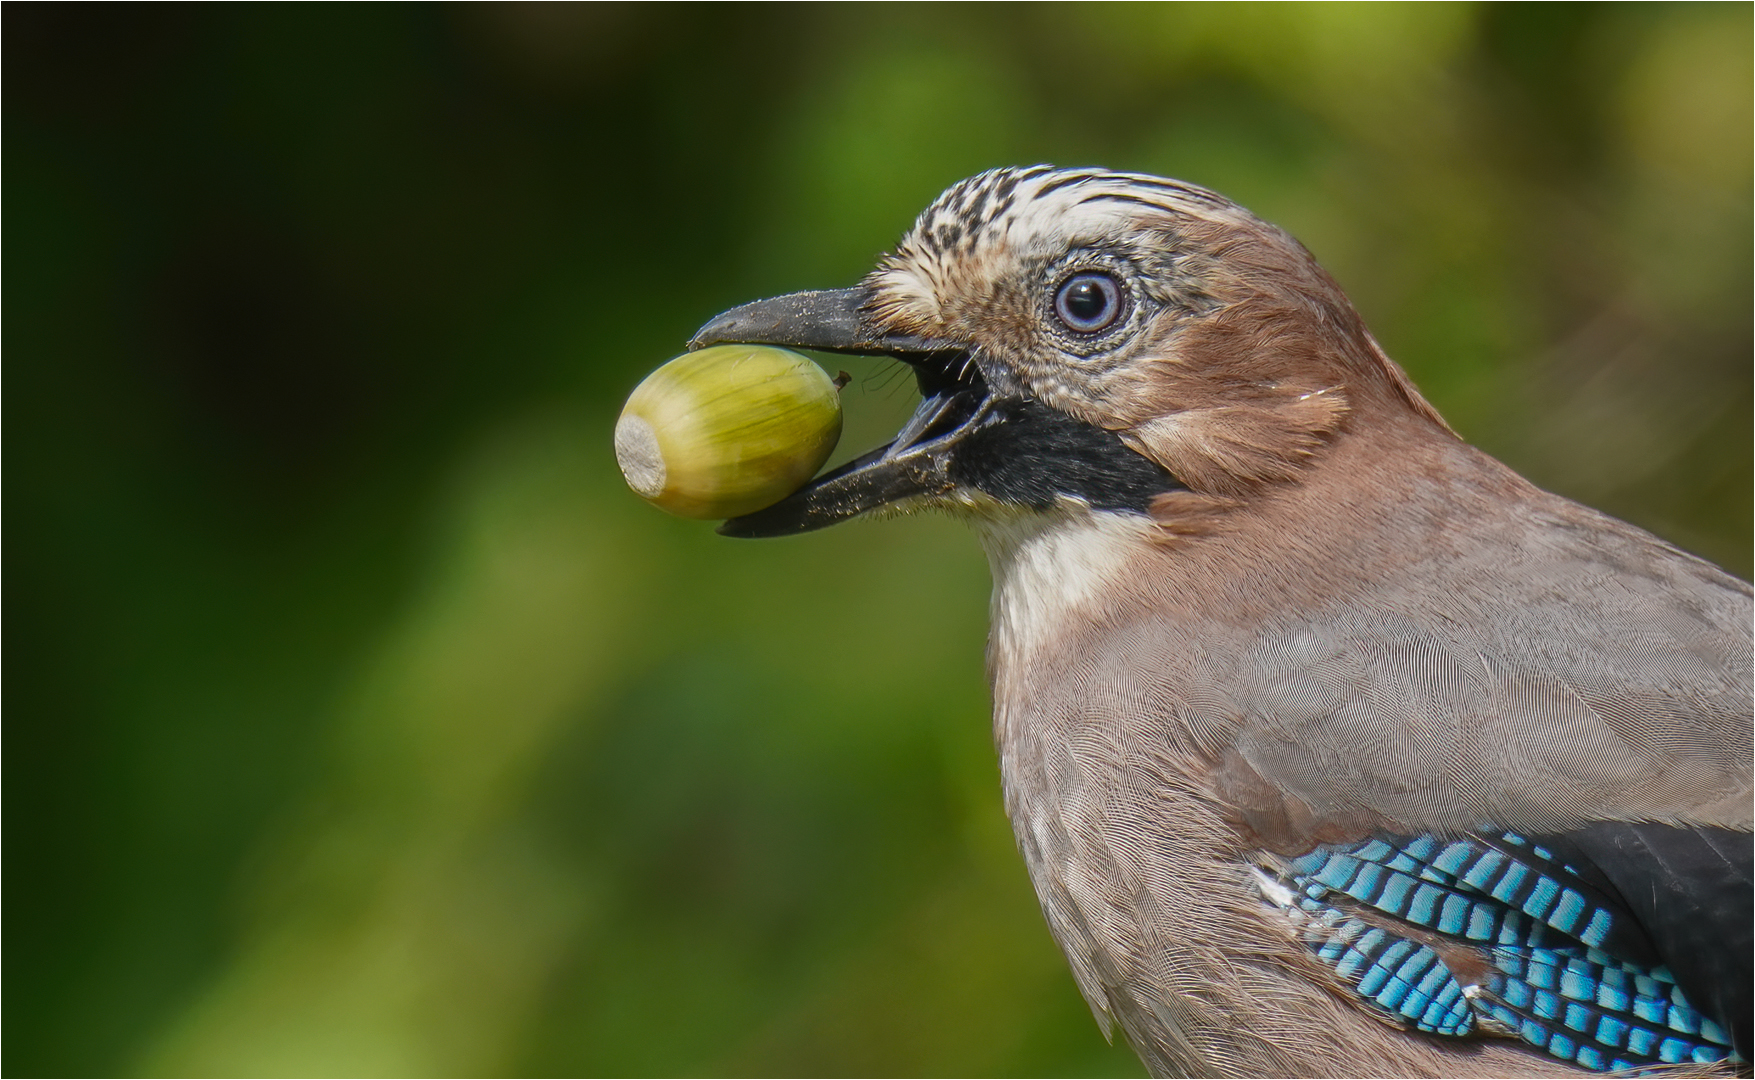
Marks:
<point>1052,571</point>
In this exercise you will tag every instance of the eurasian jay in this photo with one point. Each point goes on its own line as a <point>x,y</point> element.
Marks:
<point>1332,745</point>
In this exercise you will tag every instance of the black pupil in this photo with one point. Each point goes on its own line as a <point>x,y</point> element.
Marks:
<point>1087,302</point>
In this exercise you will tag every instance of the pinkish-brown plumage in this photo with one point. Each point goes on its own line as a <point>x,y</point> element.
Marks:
<point>1260,616</point>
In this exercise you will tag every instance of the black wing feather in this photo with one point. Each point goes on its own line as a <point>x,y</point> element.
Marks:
<point>1693,892</point>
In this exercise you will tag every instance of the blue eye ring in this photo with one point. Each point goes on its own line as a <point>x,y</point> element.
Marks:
<point>1088,302</point>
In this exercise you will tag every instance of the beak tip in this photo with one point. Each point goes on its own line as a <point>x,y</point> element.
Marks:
<point>722,329</point>
<point>741,528</point>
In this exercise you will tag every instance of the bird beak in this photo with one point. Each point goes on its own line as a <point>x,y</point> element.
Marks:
<point>917,464</point>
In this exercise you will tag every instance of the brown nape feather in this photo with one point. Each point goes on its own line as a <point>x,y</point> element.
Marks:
<point>1247,394</point>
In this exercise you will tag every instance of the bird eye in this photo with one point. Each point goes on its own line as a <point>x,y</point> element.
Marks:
<point>1088,302</point>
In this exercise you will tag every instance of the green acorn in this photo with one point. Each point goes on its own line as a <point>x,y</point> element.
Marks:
<point>728,430</point>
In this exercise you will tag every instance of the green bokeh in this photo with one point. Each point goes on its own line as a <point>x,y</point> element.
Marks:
<point>361,722</point>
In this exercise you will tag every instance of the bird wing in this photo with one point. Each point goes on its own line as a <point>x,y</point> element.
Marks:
<point>1544,754</point>
<point>1565,669</point>
<point>1535,940</point>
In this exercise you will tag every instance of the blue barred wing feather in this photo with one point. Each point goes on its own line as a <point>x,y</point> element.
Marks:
<point>1524,938</point>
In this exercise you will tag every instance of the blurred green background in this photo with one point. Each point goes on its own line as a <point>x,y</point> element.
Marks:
<point>360,721</point>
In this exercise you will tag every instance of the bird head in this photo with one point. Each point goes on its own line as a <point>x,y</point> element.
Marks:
<point>1109,339</point>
